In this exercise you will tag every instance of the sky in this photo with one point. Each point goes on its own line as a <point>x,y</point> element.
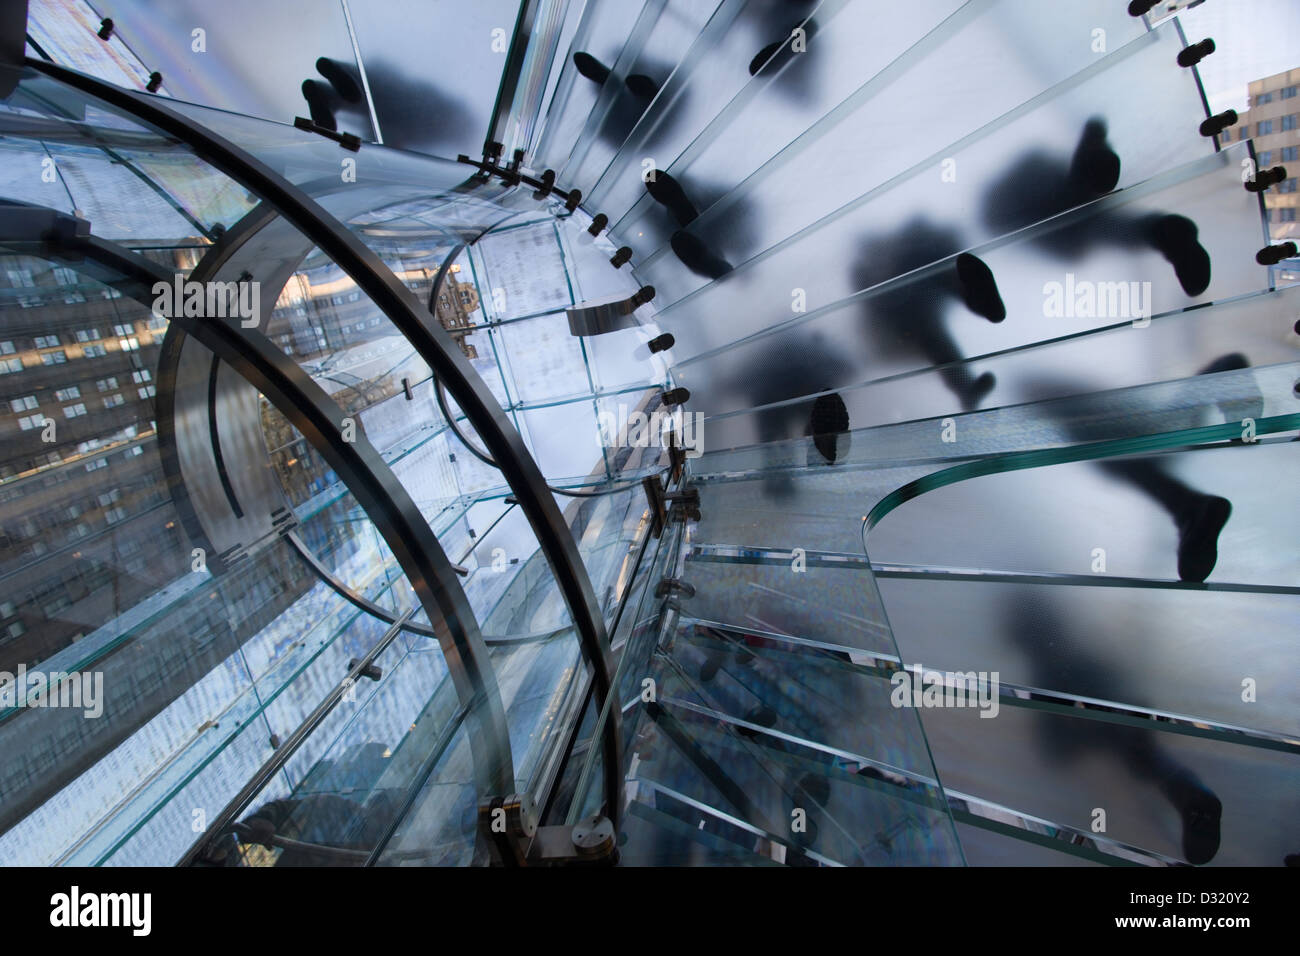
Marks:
<point>1252,39</point>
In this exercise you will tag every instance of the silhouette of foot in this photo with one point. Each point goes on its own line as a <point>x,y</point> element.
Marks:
<point>668,192</point>
<point>590,67</point>
<point>979,290</point>
<point>1198,536</point>
<point>1236,410</point>
<point>762,715</point>
<point>829,420</point>
<point>709,669</point>
<point>642,86</point>
<point>317,95</point>
<point>697,257</point>
<point>813,787</point>
<point>977,391</point>
<point>782,49</point>
<point>778,487</point>
<point>339,77</point>
<point>1200,810</point>
<point>1094,171</point>
<point>1174,237</point>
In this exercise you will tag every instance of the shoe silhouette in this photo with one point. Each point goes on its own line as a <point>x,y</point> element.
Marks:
<point>317,95</point>
<point>762,715</point>
<point>1198,536</point>
<point>1174,237</point>
<point>590,67</point>
<point>1201,811</point>
<point>642,86</point>
<point>696,256</point>
<point>340,78</point>
<point>829,420</point>
<point>1094,170</point>
<point>979,290</point>
<point>668,192</point>
<point>977,390</point>
<point>814,787</point>
<point>1236,410</point>
<point>775,56</point>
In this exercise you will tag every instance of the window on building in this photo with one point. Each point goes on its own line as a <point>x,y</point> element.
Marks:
<point>128,345</point>
<point>96,464</point>
<point>7,348</point>
<point>1287,186</point>
<point>1263,127</point>
<point>1264,98</point>
<point>94,351</point>
<point>1265,157</point>
<point>1288,92</point>
<point>47,341</point>
<point>87,335</point>
<point>143,375</point>
<point>1290,154</point>
<point>10,365</point>
<point>147,392</point>
<point>74,411</point>
<point>54,358</point>
<point>1286,215</point>
<point>26,403</point>
<point>107,384</point>
<point>1288,121</point>
<point>113,401</point>
<point>123,330</point>
<point>68,394</point>
<point>30,422</point>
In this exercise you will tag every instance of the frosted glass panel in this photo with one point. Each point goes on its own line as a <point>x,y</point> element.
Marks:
<point>1181,652</point>
<point>1062,768</point>
<point>1024,166</point>
<point>920,320</point>
<point>973,67</point>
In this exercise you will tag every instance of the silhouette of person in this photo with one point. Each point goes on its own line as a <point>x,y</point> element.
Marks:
<point>631,98</point>
<point>1198,516</point>
<point>689,248</point>
<point>1043,636</point>
<point>1041,185</point>
<point>909,319</point>
<point>798,366</point>
<point>323,99</point>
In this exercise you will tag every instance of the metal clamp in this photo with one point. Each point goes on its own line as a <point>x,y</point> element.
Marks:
<point>510,825</point>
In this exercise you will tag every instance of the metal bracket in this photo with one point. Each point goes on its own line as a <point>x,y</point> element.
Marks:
<point>347,140</point>
<point>510,827</point>
<point>666,585</point>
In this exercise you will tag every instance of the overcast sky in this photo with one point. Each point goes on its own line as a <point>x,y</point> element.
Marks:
<point>1252,39</point>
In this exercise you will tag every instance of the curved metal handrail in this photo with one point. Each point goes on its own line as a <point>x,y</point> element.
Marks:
<point>1040,457</point>
<point>434,346</point>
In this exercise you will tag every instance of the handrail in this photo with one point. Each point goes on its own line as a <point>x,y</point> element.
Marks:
<point>433,345</point>
<point>1090,451</point>
<point>258,781</point>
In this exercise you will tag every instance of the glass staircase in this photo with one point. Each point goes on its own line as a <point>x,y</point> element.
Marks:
<point>988,556</point>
